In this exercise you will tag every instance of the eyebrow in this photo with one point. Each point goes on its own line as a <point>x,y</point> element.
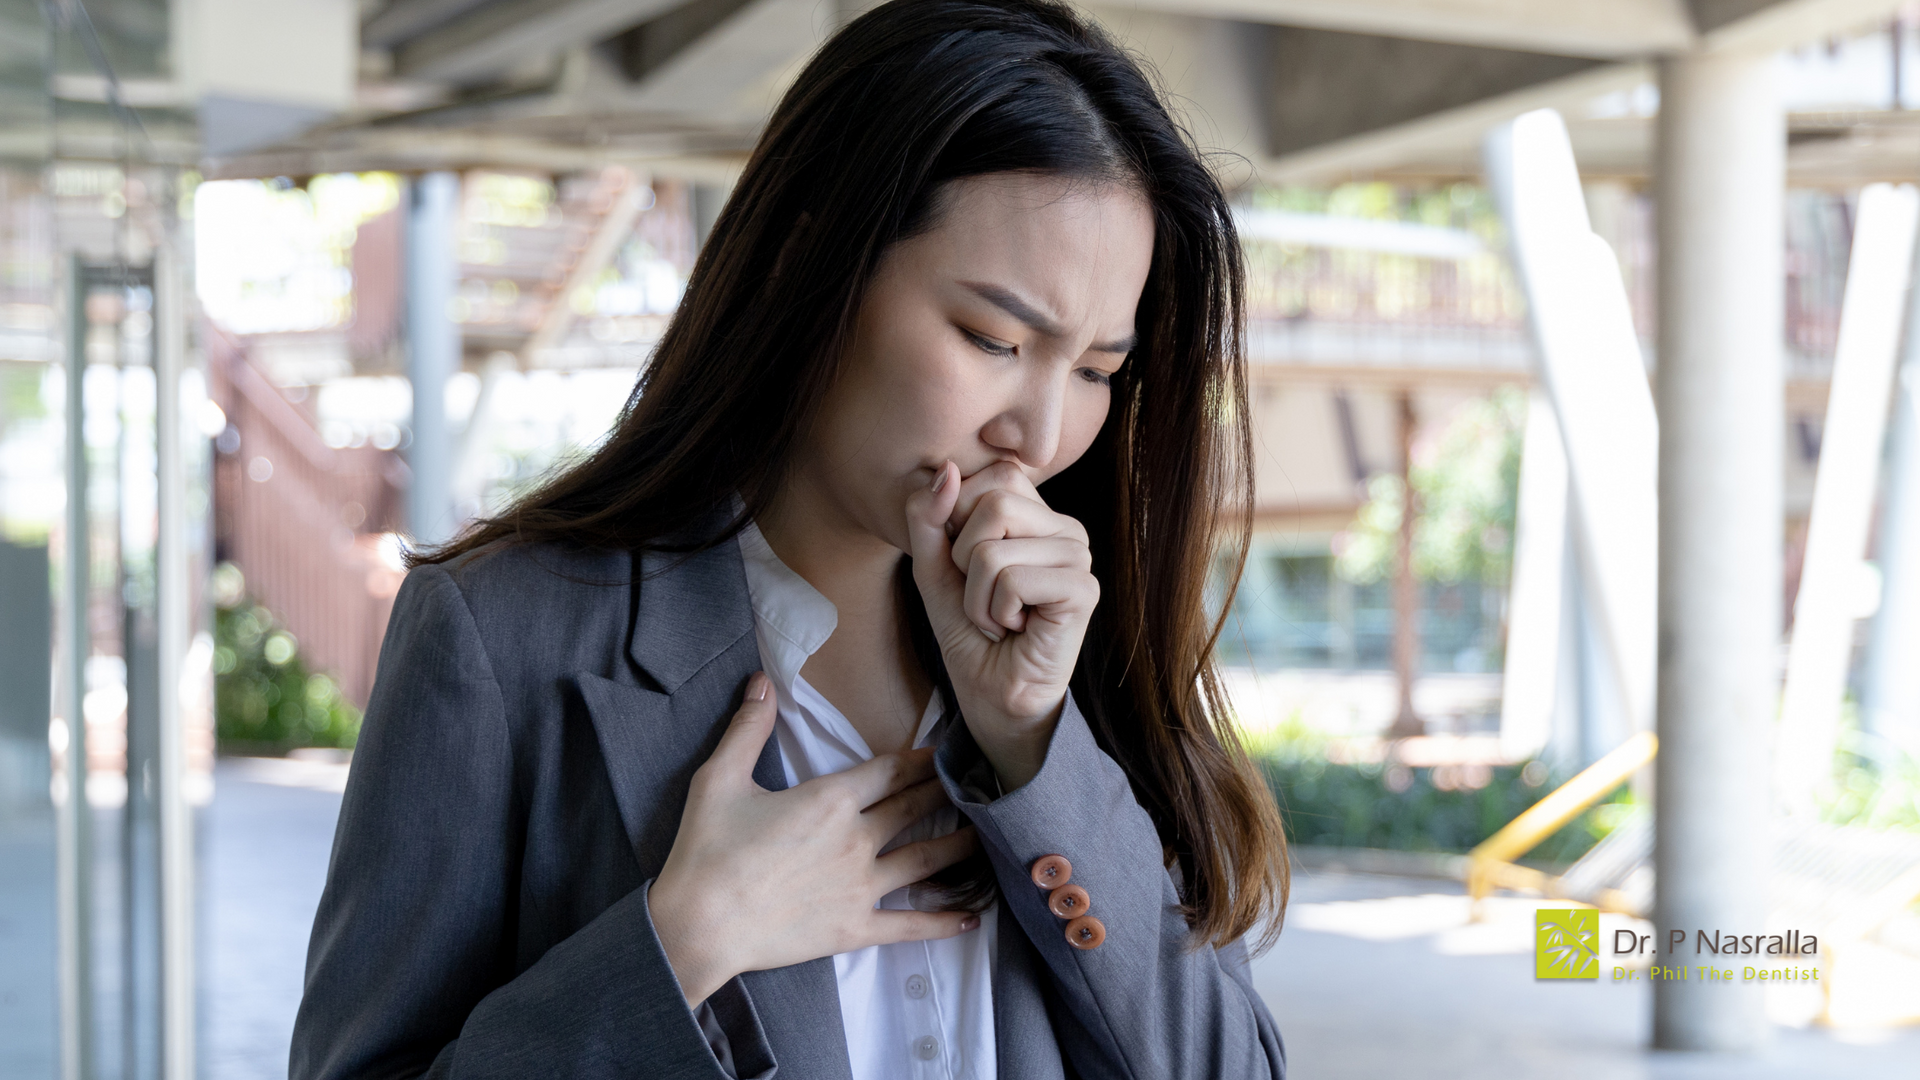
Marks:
<point>1011,303</point>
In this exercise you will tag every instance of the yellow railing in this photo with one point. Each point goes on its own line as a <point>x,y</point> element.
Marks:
<point>1491,865</point>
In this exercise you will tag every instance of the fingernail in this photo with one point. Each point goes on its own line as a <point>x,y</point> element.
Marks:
<point>969,923</point>
<point>940,480</point>
<point>990,635</point>
<point>757,686</point>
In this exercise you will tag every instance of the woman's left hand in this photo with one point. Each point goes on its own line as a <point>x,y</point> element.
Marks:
<point>1009,597</point>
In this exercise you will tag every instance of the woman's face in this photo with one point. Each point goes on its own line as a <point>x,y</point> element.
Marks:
<point>989,338</point>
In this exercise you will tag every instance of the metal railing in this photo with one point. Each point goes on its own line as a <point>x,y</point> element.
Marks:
<point>303,520</point>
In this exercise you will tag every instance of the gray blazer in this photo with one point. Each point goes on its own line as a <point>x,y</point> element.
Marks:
<point>520,778</point>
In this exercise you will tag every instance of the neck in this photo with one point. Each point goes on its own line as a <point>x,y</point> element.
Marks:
<point>866,669</point>
<point>820,542</point>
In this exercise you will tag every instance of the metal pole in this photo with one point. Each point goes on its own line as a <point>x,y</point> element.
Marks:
<point>1406,590</point>
<point>174,618</point>
<point>1720,178</point>
<point>73,827</point>
<point>433,350</point>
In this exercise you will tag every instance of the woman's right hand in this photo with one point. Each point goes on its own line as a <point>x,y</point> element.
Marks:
<point>762,879</point>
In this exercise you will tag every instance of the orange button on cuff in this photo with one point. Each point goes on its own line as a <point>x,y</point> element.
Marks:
<point>1068,901</point>
<point>1086,932</point>
<point>1051,871</point>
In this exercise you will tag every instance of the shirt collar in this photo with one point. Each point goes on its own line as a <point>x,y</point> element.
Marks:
<point>796,618</point>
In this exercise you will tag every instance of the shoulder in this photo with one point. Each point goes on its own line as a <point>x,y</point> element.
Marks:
<point>528,607</point>
<point>505,579</point>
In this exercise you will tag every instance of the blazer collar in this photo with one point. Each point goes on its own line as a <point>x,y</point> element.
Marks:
<point>691,608</point>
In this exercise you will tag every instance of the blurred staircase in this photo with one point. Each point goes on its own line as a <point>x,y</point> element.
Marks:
<point>308,524</point>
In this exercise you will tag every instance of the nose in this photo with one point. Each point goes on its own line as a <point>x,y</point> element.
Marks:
<point>1028,427</point>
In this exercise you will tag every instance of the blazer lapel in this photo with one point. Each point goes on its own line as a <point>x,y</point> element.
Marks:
<point>692,607</point>
<point>693,637</point>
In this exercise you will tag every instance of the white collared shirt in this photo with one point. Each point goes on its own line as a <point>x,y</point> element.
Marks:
<point>918,1010</point>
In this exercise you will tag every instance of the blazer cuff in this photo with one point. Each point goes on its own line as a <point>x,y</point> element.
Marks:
<point>1079,800</point>
<point>726,1021</point>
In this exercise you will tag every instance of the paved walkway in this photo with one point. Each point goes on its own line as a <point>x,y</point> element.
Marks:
<point>267,838</point>
<point>1381,976</point>
<point>1374,977</point>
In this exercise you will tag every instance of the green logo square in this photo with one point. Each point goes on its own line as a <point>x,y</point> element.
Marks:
<point>1566,943</point>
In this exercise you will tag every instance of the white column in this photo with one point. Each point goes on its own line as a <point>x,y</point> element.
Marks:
<point>433,350</point>
<point>1831,597</point>
<point>1530,685</point>
<point>1890,696</point>
<point>1720,180</point>
<point>1593,372</point>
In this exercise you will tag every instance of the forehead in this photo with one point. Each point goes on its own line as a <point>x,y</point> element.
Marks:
<point>1082,248</point>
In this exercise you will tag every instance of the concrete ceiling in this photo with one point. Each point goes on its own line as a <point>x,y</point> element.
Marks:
<point>1288,89</point>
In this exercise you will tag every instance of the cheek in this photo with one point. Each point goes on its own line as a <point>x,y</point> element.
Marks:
<point>909,399</point>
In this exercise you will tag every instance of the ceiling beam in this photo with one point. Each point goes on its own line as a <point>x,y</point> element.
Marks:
<point>403,19</point>
<point>1782,24</point>
<point>1602,29</point>
<point>1325,86</point>
<point>493,39</point>
<point>648,47</point>
<point>1441,134</point>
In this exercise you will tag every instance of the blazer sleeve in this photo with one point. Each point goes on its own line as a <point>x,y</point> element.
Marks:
<point>410,971</point>
<point>1146,1004</point>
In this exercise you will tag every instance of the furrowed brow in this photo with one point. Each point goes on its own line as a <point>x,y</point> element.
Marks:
<point>1011,303</point>
<point>1036,320</point>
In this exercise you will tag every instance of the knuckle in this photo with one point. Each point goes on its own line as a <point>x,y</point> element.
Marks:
<point>990,556</point>
<point>837,801</point>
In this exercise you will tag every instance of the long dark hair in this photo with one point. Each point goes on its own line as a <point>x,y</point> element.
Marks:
<point>905,99</point>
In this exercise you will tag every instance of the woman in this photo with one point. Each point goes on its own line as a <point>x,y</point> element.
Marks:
<point>906,528</point>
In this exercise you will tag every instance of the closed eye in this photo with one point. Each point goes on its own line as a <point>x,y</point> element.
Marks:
<point>1095,375</point>
<point>987,345</point>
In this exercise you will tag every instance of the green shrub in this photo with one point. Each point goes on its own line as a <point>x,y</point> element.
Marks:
<point>1339,805</point>
<point>1392,806</point>
<point>265,699</point>
<point>1875,784</point>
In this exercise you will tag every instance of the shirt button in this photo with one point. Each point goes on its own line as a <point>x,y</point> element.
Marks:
<point>916,987</point>
<point>926,1047</point>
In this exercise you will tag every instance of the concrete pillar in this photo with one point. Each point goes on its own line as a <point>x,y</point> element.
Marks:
<point>433,350</point>
<point>1720,181</point>
<point>1890,691</point>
